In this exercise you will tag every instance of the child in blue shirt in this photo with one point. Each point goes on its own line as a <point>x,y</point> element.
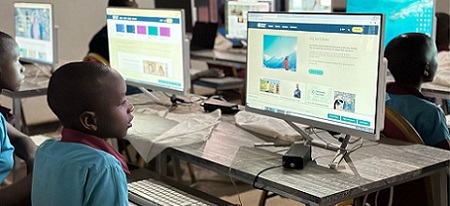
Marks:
<point>82,168</point>
<point>12,140</point>
<point>412,61</point>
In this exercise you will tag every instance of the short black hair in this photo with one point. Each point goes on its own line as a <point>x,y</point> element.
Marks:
<point>5,45</point>
<point>121,3</point>
<point>407,55</point>
<point>76,87</point>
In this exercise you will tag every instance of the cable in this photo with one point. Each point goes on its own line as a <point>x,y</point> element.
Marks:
<point>391,196</point>
<point>235,186</point>
<point>260,172</point>
<point>376,198</point>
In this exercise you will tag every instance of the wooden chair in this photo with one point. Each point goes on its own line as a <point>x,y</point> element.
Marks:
<point>397,127</point>
<point>417,192</point>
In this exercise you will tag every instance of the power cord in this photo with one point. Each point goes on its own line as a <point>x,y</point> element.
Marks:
<point>260,172</point>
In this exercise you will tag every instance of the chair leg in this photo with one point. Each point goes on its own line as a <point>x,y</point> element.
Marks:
<point>263,198</point>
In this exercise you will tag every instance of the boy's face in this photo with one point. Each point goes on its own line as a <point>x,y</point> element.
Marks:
<point>11,74</point>
<point>114,116</point>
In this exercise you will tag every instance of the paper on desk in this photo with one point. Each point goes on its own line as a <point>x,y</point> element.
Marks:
<point>175,130</point>
<point>268,126</point>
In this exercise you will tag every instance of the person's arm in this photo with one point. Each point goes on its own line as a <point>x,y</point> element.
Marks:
<point>18,193</point>
<point>25,148</point>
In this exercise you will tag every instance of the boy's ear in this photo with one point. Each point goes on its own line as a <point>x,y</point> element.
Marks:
<point>89,120</point>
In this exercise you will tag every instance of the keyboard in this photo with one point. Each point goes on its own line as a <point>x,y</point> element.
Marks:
<point>155,193</point>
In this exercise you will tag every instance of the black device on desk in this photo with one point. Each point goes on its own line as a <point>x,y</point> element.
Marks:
<point>297,156</point>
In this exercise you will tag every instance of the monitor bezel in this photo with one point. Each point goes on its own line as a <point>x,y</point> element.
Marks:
<point>185,51</point>
<point>381,85</point>
<point>53,30</point>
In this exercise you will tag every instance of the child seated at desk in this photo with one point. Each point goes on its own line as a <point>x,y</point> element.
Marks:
<point>12,141</point>
<point>412,61</point>
<point>82,168</point>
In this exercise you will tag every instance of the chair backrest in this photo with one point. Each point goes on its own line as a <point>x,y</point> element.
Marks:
<point>94,57</point>
<point>397,127</point>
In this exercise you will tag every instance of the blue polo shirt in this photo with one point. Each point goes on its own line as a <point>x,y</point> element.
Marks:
<point>67,173</point>
<point>426,117</point>
<point>6,151</point>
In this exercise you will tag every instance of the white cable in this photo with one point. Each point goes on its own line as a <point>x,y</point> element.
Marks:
<point>391,196</point>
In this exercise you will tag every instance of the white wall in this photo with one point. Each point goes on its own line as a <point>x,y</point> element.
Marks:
<point>78,21</point>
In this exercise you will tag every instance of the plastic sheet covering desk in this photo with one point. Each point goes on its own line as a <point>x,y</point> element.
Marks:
<point>374,166</point>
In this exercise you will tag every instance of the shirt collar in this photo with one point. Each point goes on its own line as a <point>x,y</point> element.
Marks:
<point>70,135</point>
<point>403,89</point>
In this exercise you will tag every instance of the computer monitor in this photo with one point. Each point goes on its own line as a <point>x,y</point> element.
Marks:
<point>186,5</point>
<point>236,17</point>
<point>317,6</point>
<point>35,32</point>
<point>322,70</point>
<point>401,16</point>
<point>148,47</point>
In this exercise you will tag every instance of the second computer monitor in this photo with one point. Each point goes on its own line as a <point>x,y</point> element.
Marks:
<point>236,16</point>
<point>34,32</point>
<point>401,16</point>
<point>148,47</point>
<point>322,70</point>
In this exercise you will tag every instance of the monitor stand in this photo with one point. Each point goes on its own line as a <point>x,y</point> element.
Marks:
<point>342,152</point>
<point>173,99</point>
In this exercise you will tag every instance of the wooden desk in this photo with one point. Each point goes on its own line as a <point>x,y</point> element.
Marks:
<point>375,166</point>
<point>438,92</point>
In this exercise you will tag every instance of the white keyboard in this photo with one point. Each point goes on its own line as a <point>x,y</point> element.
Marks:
<point>154,193</point>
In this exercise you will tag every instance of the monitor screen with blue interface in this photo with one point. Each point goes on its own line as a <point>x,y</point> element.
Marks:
<point>147,46</point>
<point>34,28</point>
<point>401,16</point>
<point>318,6</point>
<point>323,70</point>
<point>236,17</point>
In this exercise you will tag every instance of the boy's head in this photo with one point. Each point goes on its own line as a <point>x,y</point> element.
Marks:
<point>90,97</point>
<point>412,58</point>
<point>123,3</point>
<point>11,71</point>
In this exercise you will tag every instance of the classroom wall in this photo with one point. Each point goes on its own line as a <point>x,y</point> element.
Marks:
<point>79,20</point>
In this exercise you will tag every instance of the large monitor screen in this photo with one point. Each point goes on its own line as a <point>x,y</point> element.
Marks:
<point>147,46</point>
<point>34,32</point>
<point>401,16</point>
<point>318,6</point>
<point>322,70</point>
<point>236,16</point>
